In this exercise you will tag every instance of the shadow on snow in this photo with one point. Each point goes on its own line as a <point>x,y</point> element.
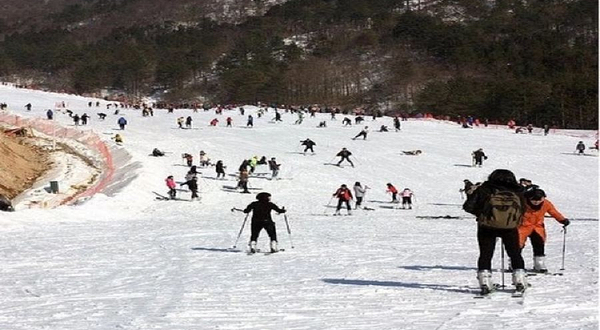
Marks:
<point>442,287</point>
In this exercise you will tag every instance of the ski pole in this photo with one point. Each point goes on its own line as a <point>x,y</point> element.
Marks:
<point>502,251</point>
<point>564,247</point>
<point>331,161</point>
<point>241,230</point>
<point>329,203</point>
<point>236,209</point>
<point>288,229</point>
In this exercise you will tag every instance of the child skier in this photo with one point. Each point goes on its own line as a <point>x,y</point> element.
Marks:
<point>220,169</point>
<point>359,193</point>
<point>261,219</point>
<point>344,196</point>
<point>580,148</point>
<point>533,225</point>
<point>391,189</point>
<point>407,195</point>
<point>193,185</point>
<point>171,185</point>
<point>189,159</point>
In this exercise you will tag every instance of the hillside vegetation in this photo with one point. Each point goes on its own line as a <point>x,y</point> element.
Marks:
<point>534,61</point>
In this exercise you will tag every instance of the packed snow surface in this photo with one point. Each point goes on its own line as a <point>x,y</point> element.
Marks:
<point>133,262</point>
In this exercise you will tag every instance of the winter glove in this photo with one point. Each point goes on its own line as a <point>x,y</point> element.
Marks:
<point>283,210</point>
<point>566,222</point>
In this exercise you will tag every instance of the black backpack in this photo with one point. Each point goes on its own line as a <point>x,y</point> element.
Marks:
<point>503,210</point>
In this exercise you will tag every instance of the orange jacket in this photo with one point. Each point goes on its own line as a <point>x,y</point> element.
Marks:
<point>533,220</point>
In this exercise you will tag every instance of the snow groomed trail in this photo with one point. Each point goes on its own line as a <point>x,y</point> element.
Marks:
<point>131,262</point>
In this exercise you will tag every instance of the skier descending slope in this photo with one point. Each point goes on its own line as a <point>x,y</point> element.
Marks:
<point>345,154</point>
<point>261,219</point>
<point>344,196</point>
<point>499,206</point>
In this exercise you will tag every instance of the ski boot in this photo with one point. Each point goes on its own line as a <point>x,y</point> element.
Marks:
<point>253,247</point>
<point>539,264</point>
<point>485,281</point>
<point>274,247</point>
<point>519,279</point>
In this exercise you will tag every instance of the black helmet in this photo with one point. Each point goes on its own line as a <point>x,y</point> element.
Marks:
<point>263,196</point>
<point>534,193</point>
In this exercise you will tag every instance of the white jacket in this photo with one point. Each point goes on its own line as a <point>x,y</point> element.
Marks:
<point>359,191</point>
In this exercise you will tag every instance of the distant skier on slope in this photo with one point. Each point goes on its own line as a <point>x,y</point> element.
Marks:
<point>362,133</point>
<point>392,190</point>
<point>359,193</point>
<point>580,148</point>
<point>171,185</point>
<point>478,157</point>
<point>261,219</point>
<point>345,154</point>
<point>533,227</point>
<point>344,196</point>
<point>407,196</point>
<point>308,145</point>
<point>193,185</point>
<point>220,169</point>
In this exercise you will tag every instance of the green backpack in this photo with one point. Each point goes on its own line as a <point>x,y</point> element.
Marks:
<point>503,210</point>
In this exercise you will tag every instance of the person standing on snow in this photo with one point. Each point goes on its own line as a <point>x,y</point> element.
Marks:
<point>580,147</point>
<point>261,219</point>
<point>250,122</point>
<point>308,145</point>
<point>478,157</point>
<point>407,195</point>
<point>274,167</point>
<point>499,205</point>
<point>362,133</point>
<point>391,189</point>
<point>532,227</point>
<point>253,162</point>
<point>220,169</point>
<point>397,123</point>
<point>122,122</point>
<point>193,185</point>
<point>344,196</point>
<point>345,154</point>
<point>359,193</point>
<point>171,185</point>
<point>243,181</point>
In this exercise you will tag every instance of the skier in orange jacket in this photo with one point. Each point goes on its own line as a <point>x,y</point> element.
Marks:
<point>532,226</point>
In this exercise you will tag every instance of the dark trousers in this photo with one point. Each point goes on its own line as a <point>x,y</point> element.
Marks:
<point>358,201</point>
<point>194,193</point>
<point>478,161</point>
<point>257,226</point>
<point>220,173</point>
<point>537,243</point>
<point>364,135</point>
<point>340,202</point>
<point>406,200</point>
<point>172,193</point>
<point>486,237</point>
<point>394,198</point>
<point>308,148</point>
<point>346,158</point>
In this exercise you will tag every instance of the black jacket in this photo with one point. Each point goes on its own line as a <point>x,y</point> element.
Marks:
<point>262,210</point>
<point>308,143</point>
<point>344,153</point>
<point>192,184</point>
<point>479,155</point>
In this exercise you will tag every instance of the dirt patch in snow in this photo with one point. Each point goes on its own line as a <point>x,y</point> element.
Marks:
<point>21,163</point>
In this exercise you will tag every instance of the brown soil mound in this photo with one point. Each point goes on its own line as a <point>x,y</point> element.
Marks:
<point>21,163</point>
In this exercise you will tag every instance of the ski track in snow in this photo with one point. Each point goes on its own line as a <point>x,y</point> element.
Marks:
<point>130,262</point>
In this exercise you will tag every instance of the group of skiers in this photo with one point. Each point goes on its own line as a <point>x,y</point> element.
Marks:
<point>513,211</point>
<point>344,196</point>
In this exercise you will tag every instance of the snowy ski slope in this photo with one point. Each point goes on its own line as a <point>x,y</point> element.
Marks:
<point>132,262</point>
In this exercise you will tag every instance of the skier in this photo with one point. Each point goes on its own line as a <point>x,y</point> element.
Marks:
<point>478,157</point>
<point>300,118</point>
<point>171,185</point>
<point>546,130</point>
<point>383,128</point>
<point>345,154</point>
<point>243,182</point>
<point>344,196</point>
<point>28,106</point>
<point>261,219</point>
<point>412,152</point>
<point>193,172</point>
<point>580,147</point>
<point>49,114</point>
<point>397,123</point>
<point>189,159</point>
<point>204,160</point>
<point>215,121</point>
<point>244,165</point>
<point>101,115</point>
<point>253,162</point>
<point>157,153</point>
<point>346,121</point>
<point>220,169</point>
<point>84,119</point>
<point>359,193</point>
<point>118,139</point>
<point>76,119</point>
<point>308,145</point>
<point>122,122</point>
<point>407,195</point>
<point>322,124</point>
<point>391,189</point>
<point>277,116</point>
<point>468,188</point>
<point>193,185</point>
<point>188,122</point>
<point>274,167</point>
<point>533,225</point>
<point>362,133</point>
<point>180,121</point>
<point>498,205</point>
<point>229,121</point>
<point>250,121</point>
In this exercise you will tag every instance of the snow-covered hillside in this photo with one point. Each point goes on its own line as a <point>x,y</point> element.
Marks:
<point>132,262</point>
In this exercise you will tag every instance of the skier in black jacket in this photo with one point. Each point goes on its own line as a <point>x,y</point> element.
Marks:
<point>261,218</point>
<point>345,154</point>
<point>193,185</point>
<point>478,157</point>
<point>308,145</point>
